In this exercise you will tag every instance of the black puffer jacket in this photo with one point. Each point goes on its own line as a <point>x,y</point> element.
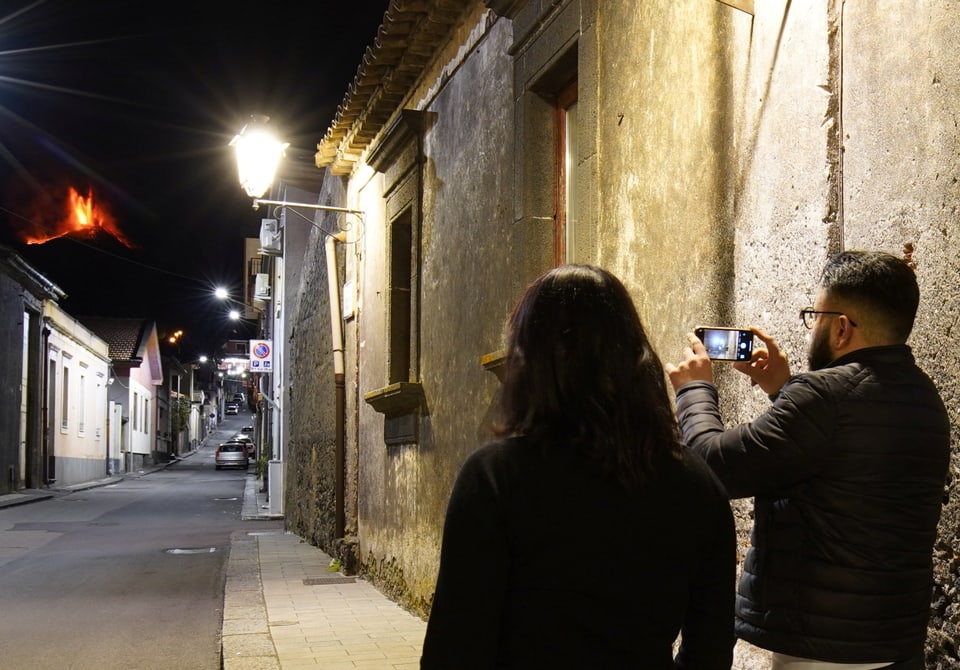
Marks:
<point>847,471</point>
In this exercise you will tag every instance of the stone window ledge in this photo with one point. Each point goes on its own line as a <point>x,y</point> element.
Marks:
<point>495,362</point>
<point>396,399</point>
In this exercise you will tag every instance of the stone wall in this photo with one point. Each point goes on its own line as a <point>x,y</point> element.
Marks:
<point>901,184</point>
<point>309,398</point>
<point>723,158</point>
<point>467,285</point>
<point>742,151</point>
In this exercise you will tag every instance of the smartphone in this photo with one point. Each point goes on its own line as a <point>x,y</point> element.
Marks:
<point>726,344</point>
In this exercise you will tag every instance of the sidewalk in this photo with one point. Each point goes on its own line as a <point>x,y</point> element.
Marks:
<point>284,609</point>
<point>35,495</point>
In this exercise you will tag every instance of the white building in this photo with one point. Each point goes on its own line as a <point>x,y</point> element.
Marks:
<point>78,374</point>
<point>137,372</point>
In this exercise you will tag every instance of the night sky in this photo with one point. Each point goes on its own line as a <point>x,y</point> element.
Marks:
<point>132,105</point>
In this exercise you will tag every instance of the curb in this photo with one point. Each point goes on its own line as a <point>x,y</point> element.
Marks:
<point>27,496</point>
<point>23,497</point>
<point>245,639</point>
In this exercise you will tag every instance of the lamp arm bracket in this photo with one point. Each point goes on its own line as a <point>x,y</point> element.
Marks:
<point>284,203</point>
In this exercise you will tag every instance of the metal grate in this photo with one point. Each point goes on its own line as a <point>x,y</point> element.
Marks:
<point>323,581</point>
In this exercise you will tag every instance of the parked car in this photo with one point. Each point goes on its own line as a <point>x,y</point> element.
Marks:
<point>238,398</point>
<point>232,455</point>
<point>246,429</point>
<point>245,439</point>
<point>232,409</point>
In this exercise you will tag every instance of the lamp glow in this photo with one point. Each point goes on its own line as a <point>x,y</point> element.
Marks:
<point>258,156</point>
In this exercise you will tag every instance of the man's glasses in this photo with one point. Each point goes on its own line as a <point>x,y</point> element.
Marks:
<point>809,316</point>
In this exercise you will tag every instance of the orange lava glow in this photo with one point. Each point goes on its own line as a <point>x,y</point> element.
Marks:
<point>82,217</point>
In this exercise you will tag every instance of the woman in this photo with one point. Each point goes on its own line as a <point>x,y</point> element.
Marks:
<point>585,536</point>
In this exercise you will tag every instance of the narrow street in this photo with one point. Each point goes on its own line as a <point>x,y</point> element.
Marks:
<point>126,575</point>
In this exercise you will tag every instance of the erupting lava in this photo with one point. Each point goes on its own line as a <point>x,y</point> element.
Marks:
<point>82,217</point>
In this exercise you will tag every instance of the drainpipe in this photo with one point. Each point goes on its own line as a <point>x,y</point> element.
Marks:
<point>106,463</point>
<point>46,458</point>
<point>266,394</point>
<point>266,390</point>
<point>107,383</point>
<point>336,330</point>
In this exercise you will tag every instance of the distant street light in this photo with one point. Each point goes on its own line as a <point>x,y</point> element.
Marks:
<point>235,313</point>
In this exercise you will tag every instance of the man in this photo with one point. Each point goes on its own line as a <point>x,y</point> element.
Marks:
<point>847,469</point>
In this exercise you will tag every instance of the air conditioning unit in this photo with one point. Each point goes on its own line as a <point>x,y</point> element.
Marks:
<point>261,286</point>
<point>271,238</point>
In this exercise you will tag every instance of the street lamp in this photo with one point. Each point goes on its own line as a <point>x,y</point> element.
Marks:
<point>258,155</point>
<point>258,152</point>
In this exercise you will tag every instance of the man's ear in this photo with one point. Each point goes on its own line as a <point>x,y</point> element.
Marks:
<point>842,332</point>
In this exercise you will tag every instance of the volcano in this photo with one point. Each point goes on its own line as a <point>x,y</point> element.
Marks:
<point>80,216</point>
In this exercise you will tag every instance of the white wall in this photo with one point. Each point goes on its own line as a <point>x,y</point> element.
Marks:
<point>141,412</point>
<point>79,398</point>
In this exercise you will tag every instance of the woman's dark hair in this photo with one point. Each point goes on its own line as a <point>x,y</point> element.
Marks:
<point>581,371</point>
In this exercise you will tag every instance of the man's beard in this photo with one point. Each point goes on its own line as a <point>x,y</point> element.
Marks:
<point>820,354</point>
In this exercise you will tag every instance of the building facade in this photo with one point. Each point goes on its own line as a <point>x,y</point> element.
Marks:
<point>183,408</point>
<point>55,414</point>
<point>25,460</point>
<point>711,157</point>
<point>77,381</point>
<point>137,372</point>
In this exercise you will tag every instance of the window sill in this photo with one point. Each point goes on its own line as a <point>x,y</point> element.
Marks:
<point>396,399</point>
<point>495,362</point>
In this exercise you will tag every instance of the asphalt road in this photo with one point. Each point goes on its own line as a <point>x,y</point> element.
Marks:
<point>128,575</point>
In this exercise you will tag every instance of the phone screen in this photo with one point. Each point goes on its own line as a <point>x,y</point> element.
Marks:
<point>726,344</point>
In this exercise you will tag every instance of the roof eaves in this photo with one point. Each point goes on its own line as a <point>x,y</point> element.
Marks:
<point>122,334</point>
<point>410,36</point>
<point>29,277</point>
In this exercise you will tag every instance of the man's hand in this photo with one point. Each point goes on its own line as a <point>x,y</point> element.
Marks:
<point>696,365</point>
<point>768,368</point>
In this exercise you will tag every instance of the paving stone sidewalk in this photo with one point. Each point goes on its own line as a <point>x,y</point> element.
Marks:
<point>285,609</point>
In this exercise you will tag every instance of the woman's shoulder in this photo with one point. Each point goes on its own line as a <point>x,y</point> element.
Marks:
<point>502,450</point>
<point>510,455</point>
<point>496,464</point>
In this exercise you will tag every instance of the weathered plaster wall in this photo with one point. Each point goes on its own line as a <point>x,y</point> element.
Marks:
<point>725,187</point>
<point>779,190</point>
<point>671,137</point>
<point>309,452</point>
<point>901,183</point>
<point>666,146</point>
<point>468,285</point>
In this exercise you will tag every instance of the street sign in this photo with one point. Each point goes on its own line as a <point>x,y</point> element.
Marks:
<point>261,356</point>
